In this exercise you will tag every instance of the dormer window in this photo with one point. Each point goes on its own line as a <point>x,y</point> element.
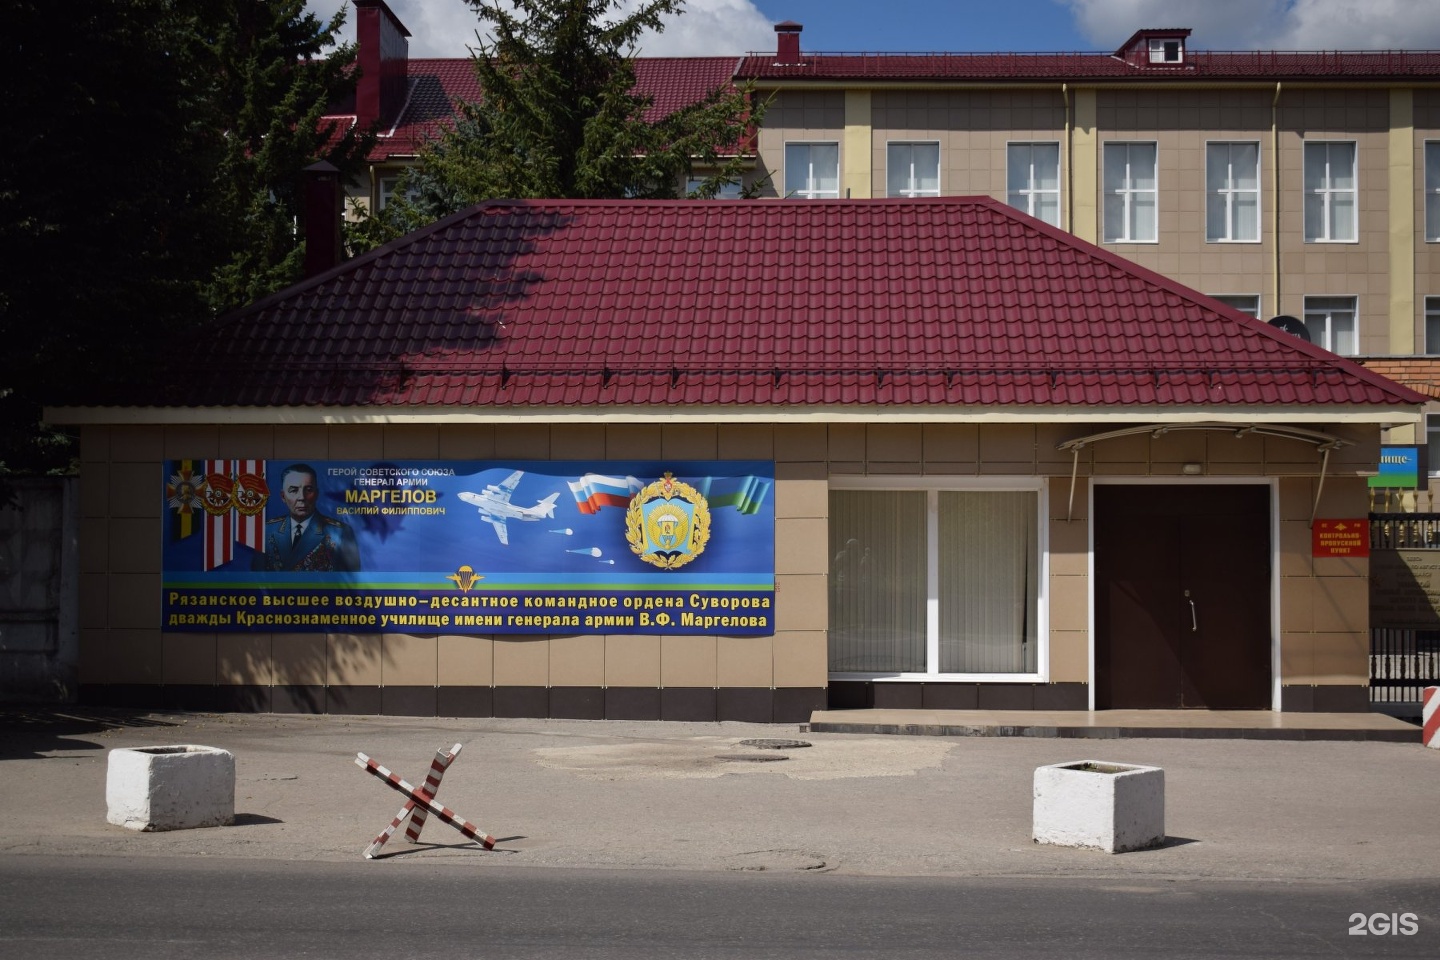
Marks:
<point>1166,51</point>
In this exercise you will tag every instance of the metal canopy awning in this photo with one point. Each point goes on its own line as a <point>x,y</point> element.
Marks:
<point>1324,443</point>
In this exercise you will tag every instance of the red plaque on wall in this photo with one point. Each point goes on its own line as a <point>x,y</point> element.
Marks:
<point>1340,538</point>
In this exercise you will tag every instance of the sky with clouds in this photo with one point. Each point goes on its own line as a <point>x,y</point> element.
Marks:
<point>446,28</point>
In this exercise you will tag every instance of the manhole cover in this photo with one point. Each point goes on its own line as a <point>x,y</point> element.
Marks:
<point>751,757</point>
<point>775,744</point>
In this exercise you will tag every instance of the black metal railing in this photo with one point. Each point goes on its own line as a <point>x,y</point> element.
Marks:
<point>1403,661</point>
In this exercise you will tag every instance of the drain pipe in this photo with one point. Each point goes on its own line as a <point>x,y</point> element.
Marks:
<point>1275,192</point>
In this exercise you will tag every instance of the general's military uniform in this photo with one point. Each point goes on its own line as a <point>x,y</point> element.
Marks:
<point>324,544</point>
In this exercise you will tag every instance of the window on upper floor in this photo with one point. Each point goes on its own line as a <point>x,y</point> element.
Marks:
<point>1330,191</point>
<point>1432,443</point>
<point>1432,331</point>
<point>1232,192</point>
<point>388,190</point>
<point>1032,179</point>
<point>912,169</point>
<point>1165,51</point>
<point>727,191</point>
<point>1244,302</point>
<point>812,171</point>
<point>1330,322</point>
<point>935,577</point>
<point>1131,193</point>
<point>1432,191</point>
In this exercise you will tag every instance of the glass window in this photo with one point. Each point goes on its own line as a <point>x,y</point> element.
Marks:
<point>1432,190</point>
<point>1330,322</point>
<point>1432,331</point>
<point>1244,302</point>
<point>728,190</point>
<point>812,171</point>
<point>388,190</point>
<point>1130,193</point>
<point>1033,179</point>
<point>1164,51</point>
<point>1232,192</point>
<point>1432,443</point>
<point>912,170</point>
<point>931,581</point>
<point>1330,193</point>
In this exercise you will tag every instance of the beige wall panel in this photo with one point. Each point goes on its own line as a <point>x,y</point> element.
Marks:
<point>467,441</point>
<point>745,662</point>
<point>1132,449</point>
<point>95,490</point>
<point>94,664</point>
<point>632,661</point>
<point>94,601</point>
<point>1296,498</point>
<point>134,601</point>
<point>575,441</point>
<point>194,443</point>
<point>894,443</point>
<point>801,498</point>
<point>1343,497</point>
<point>299,658</point>
<point>465,661</point>
<point>802,546</point>
<point>136,490</point>
<point>634,441</point>
<point>1049,458</point>
<point>687,661</point>
<point>1068,563</point>
<point>523,441</point>
<point>1297,658</point>
<point>1069,656</point>
<point>1349,567</point>
<point>245,441</point>
<point>132,656</point>
<point>1224,447</point>
<point>798,442</point>
<point>1182,446</point>
<point>746,441</point>
<point>244,659</point>
<point>134,545</point>
<point>801,659</point>
<point>577,661</point>
<point>1341,658</point>
<point>94,545</point>
<point>357,441</point>
<point>897,469</point>
<point>94,445</point>
<point>522,662</point>
<point>1295,549</point>
<point>801,603</point>
<point>847,442</point>
<point>137,445</point>
<point>408,661</point>
<point>187,658</point>
<point>1342,604</point>
<point>354,659</point>
<point>412,441</point>
<point>698,441</point>
<point>1062,507</point>
<point>1069,603</point>
<point>303,442</point>
<point>1007,443</point>
<point>950,443</point>
<point>1297,604</point>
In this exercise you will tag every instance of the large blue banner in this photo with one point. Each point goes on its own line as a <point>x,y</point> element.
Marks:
<point>469,547</point>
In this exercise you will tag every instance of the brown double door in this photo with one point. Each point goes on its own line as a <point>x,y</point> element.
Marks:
<point>1182,597</point>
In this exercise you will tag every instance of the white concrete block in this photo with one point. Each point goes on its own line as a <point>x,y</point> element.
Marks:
<point>170,788</point>
<point>1098,805</point>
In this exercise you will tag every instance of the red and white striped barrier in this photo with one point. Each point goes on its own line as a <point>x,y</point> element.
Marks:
<point>420,803</point>
<point>1430,722</point>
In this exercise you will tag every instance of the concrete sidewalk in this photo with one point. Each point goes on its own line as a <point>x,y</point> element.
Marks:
<point>660,795</point>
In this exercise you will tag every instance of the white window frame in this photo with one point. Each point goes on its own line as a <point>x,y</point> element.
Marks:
<point>1158,50</point>
<point>810,192</point>
<point>1029,192</point>
<point>386,185</point>
<point>1323,306</point>
<point>1432,191</point>
<point>1229,300</point>
<point>1128,192</point>
<point>912,190</point>
<point>933,486</point>
<point>1432,330</point>
<point>1324,231</point>
<point>1229,192</point>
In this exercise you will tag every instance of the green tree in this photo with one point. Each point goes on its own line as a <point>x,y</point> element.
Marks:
<point>559,117</point>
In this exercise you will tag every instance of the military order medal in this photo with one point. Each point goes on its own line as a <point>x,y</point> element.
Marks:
<point>668,523</point>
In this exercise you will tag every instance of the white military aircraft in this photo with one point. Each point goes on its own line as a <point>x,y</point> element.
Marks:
<point>495,506</point>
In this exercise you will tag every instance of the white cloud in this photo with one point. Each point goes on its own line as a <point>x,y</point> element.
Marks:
<point>1268,24</point>
<point>446,28</point>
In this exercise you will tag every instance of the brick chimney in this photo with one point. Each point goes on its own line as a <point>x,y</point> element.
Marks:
<point>322,218</point>
<point>383,53</point>
<point>787,42</point>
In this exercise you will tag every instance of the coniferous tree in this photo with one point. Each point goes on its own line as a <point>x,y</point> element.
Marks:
<point>558,117</point>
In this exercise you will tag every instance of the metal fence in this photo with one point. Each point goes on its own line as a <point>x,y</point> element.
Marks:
<point>1403,662</point>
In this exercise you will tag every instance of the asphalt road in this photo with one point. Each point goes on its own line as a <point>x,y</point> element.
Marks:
<point>160,908</point>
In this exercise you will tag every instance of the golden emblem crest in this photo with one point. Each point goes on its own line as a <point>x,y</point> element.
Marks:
<point>668,523</point>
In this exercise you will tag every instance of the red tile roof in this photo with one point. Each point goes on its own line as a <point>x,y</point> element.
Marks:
<point>960,300</point>
<point>436,84</point>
